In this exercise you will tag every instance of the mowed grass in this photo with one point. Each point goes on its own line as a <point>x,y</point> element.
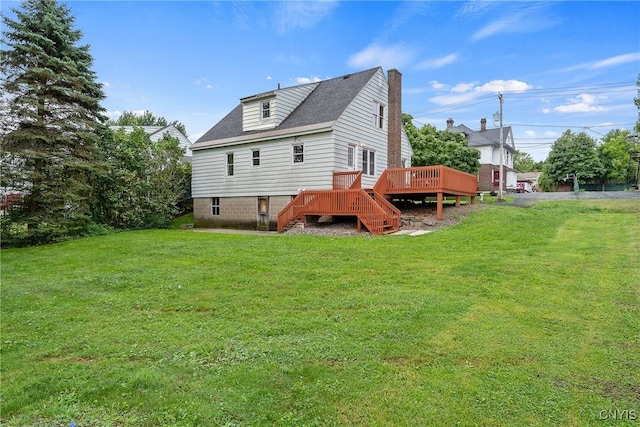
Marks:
<point>516,316</point>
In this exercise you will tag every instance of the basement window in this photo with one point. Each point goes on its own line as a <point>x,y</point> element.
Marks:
<point>215,206</point>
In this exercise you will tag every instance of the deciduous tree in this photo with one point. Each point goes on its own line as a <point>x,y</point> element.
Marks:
<point>434,147</point>
<point>614,155</point>
<point>523,162</point>
<point>573,153</point>
<point>129,118</point>
<point>146,180</point>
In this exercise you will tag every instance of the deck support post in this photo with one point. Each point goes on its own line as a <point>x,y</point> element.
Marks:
<point>473,200</point>
<point>439,207</point>
<point>359,225</point>
<point>457,201</point>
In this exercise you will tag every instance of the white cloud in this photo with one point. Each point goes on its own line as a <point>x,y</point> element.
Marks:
<point>202,81</point>
<point>392,56</point>
<point>607,62</point>
<point>463,87</point>
<point>530,133</point>
<point>438,62</point>
<point>616,60</point>
<point>463,92</point>
<point>105,84</point>
<point>475,7</point>
<point>523,19</point>
<point>113,114</point>
<point>437,85</point>
<point>304,80</point>
<point>269,77</point>
<point>301,14</point>
<point>583,103</point>
<point>495,86</point>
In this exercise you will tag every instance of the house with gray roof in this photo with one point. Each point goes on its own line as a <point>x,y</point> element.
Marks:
<point>487,141</point>
<point>276,144</point>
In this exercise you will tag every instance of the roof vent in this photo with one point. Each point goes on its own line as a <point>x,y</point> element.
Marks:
<point>346,77</point>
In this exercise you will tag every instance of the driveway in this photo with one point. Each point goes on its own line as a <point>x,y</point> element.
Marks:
<point>524,198</point>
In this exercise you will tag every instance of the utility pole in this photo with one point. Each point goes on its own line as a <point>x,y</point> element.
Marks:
<point>501,175</point>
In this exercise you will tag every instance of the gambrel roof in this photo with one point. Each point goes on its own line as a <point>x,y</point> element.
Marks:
<point>324,105</point>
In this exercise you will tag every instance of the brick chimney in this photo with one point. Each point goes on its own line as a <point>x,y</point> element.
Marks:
<point>394,129</point>
<point>449,123</point>
<point>483,124</point>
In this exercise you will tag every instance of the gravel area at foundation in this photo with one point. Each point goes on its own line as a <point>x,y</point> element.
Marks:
<point>415,220</point>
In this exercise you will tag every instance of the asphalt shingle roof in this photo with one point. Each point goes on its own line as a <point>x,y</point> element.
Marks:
<point>324,104</point>
<point>489,136</point>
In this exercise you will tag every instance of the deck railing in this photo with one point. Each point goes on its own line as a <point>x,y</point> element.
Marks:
<point>347,180</point>
<point>393,214</point>
<point>379,216</point>
<point>375,217</point>
<point>426,179</point>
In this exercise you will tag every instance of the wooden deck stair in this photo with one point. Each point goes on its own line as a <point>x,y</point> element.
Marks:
<point>377,215</point>
<point>372,207</point>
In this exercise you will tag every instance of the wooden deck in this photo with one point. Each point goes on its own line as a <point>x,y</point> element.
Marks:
<point>372,207</point>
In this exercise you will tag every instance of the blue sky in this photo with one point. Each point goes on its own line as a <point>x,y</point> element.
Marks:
<point>560,65</point>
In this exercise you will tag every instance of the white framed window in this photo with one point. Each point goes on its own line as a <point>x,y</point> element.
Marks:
<point>266,109</point>
<point>298,153</point>
<point>351,156</point>
<point>378,114</point>
<point>255,157</point>
<point>215,206</point>
<point>368,162</point>
<point>230,164</point>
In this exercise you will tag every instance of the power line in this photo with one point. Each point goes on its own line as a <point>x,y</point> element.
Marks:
<point>571,126</point>
<point>547,92</point>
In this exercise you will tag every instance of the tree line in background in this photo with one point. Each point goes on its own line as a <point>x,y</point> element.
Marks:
<point>74,175</point>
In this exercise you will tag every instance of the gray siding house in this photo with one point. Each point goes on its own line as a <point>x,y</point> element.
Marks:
<point>487,141</point>
<point>273,145</point>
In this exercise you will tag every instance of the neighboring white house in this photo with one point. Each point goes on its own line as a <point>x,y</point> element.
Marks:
<point>488,142</point>
<point>157,132</point>
<point>273,145</point>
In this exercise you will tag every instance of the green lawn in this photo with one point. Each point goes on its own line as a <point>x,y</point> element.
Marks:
<point>514,317</point>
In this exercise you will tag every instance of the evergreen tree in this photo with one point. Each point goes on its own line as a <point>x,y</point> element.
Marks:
<point>49,141</point>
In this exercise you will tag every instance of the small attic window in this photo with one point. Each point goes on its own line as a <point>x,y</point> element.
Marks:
<point>266,109</point>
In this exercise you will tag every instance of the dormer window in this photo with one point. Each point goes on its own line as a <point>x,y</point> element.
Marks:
<point>266,109</point>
